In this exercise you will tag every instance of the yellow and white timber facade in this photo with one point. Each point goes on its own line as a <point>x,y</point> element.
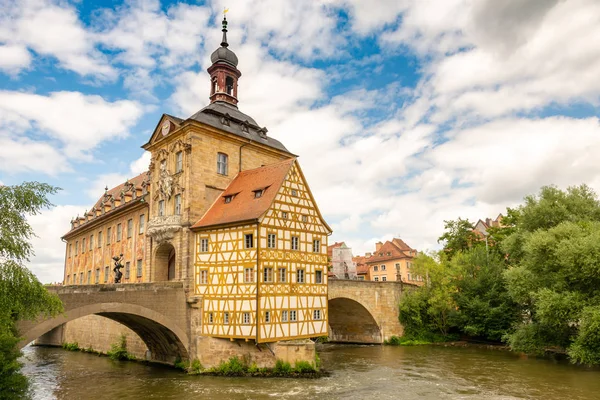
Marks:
<point>266,280</point>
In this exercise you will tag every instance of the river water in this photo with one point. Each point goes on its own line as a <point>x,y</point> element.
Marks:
<point>357,372</point>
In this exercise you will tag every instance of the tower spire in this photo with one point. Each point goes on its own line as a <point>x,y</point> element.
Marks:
<point>224,30</point>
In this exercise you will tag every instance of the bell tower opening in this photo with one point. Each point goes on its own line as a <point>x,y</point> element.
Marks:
<point>224,73</point>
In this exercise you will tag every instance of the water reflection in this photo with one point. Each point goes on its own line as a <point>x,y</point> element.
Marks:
<point>358,372</point>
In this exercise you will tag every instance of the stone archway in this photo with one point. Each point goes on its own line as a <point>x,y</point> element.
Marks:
<point>165,266</point>
<point>351,322</point>
<point>164,338</point>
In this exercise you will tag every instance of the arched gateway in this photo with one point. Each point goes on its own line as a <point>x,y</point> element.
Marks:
<point>155,312</point>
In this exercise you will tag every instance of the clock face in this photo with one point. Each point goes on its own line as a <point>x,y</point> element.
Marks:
<point>166,128</point>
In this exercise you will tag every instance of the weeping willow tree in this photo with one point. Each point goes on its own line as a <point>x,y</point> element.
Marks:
<point>22,296</point>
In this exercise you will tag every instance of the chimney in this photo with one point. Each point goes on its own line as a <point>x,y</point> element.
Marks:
<point>367,255</point>
<point>378,246</point>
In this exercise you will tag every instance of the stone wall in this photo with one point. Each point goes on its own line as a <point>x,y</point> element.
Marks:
<point>99,333</point>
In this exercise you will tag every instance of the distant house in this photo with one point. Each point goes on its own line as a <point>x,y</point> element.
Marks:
<point>362,269</point>
<point>481,227</point>
<point>342,265</point>
<point>391,261</point>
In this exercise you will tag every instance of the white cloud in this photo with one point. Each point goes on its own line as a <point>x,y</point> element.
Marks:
<point>53,29</point>
<point>24,155</point>
<point>80,122</point>
<point>14,58</point>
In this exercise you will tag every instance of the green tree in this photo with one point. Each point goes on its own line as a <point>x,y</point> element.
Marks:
<point>458,236</point>
<point>22,296</point>
<point>554,274</point>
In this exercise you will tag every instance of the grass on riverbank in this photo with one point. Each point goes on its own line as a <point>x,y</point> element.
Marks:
<point>419,340</point>
<point>237,366</point>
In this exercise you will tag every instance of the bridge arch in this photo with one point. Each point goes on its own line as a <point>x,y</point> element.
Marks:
<point>351,321</point>
<point>163,337</point>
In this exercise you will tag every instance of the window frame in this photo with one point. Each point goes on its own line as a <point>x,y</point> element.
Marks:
<point>127,273</point>
<point>248,275</point>
<point>141,224</point>
<point>119,232</point>
<point>295,243</point>
<point>139,268</point>
<point>203,245</point>
<point>161,208</point>
<point>178,162</point>
<point>300,273</point>
<point>268,274</point>
<point>284,316</point>
<point>177,204</point>
<point>129,228</point>
<point>203,277</point>
<point>246,242</point>
<point>246,320</point>
<point>222,163</point>
<point>316,245</point>
<point>108,235</point>
<point>293,316</point>
<point>267,317</point>
<point>317,315</point>
<point>272,244</point>
<point>226,318</point>
<point>318,276</point>
<point>282,272</point>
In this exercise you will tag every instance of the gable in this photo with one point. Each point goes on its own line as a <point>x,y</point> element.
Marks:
<point>295,198</point>
<point>165,127</point>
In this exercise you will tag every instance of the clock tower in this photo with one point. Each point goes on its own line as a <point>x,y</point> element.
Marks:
<point>223,72</point>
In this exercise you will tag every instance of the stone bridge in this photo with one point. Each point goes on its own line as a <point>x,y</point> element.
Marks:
<point>359,312</point>
<point>364,311</point>
<point>157,312</point>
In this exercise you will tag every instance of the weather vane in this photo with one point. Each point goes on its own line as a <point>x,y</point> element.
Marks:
<point>225,10</point>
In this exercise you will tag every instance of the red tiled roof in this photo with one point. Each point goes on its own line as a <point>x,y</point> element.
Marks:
<point>391,250</point>
<point>244,206</point>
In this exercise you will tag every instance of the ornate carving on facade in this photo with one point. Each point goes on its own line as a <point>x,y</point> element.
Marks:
<point>163,228</point>
<point>165,183</point>
<point>180,145</point>
<point>162,154</point>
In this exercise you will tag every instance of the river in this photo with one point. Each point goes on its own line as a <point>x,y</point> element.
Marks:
<point>357,372</point>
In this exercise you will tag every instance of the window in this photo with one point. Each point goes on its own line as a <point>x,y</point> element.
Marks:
<point>246,318</point>
<point>258,193</point>
<point>383,267</point>
<point>388,254</point>
<point>229,85</point>
<point>68,277</point>
<point>127,269</point>
<point>408,277</point>
<point>129,228</point>
<point>376,279</point>
<point>89,277</point>
<point>316,246</point>
<point>375,268</point>
<point>384,278</point>
<point>295,242</point>
<point>282,275</point>
<point>70,249</point>
<point>82,245</point>
<point>108,233</point>
<point>106,273</point>
<point>408,264</point>
<point>81,278</point>
<point>161,208</point>
<point>210,318</point>
<point>293,315</point>
<point>248,240</point>
<point>318,276</point>
<point>271,241</point>
<point>100,239</point>
<point>398,267</point>
<point>204,245</point>
<point>119,232</point>
<point>214,86</point>
<point>294,192</point>
<point>228,199</point>
<point>178,161</point>
<point>248,275</point>
<point>268,275</point>
<point>284,316</point>
<point>222,163</point>
<point>139,269</point>
<point>317,314</point>
<point>300,276</point>
<point>142,223</point>
<point>284,214</point>
<point>91,242</point>
<point>97,277</point>
<point>203,277</point>
<point>304,218</point>
<point>177,204</point>
<point>267,316</point>
<point>226,318</point>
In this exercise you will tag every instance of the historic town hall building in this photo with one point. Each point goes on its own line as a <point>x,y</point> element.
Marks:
<point>225,209</point>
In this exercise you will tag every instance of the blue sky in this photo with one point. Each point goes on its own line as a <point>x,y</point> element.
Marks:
<point>404,113</point>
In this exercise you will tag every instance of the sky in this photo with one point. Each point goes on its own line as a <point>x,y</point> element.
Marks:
<point>404,113</point>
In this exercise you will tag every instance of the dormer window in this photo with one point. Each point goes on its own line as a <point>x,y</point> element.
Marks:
<point>228,198</point>
<point>258,193</point>
<point>294,193</point>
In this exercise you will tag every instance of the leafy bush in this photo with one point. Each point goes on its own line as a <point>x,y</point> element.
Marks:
<point>304,367</point>
<point>118,351</point>
<point>586,346</point>
<point>282,367</point>
<point>196,367</point>
<point>70,346</point>
<point>233,367</point>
